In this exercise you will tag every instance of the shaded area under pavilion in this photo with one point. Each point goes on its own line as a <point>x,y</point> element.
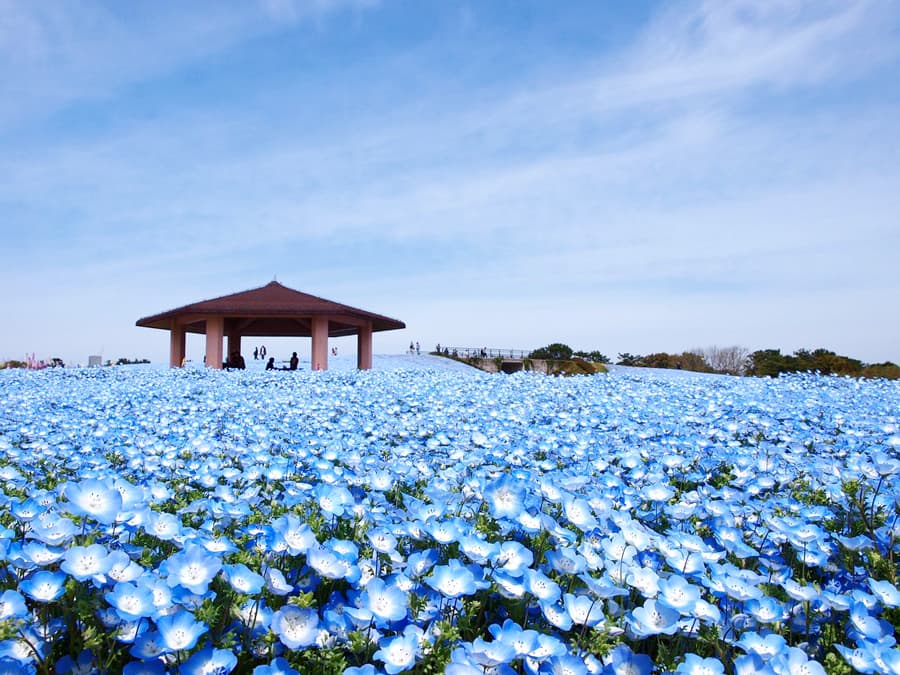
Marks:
<point>272,310</point>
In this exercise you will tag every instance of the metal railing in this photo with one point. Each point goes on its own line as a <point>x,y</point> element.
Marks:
<point>484,352</point>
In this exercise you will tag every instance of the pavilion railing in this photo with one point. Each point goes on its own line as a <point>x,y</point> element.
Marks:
<point>484,352</point>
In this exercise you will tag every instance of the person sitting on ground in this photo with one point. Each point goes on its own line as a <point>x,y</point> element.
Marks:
<point>270,365</point>
<point>294,361</point>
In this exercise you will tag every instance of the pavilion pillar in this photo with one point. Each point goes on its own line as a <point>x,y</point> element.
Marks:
<point>233,343</point>
<point>364,347</point>
<point>176,345</point>
<point>215,329</point>
<point>319,360</point>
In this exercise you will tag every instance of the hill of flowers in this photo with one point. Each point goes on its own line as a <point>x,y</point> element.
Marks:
<point>410,521</point>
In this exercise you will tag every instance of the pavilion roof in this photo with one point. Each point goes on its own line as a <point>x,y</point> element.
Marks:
<point>272,309</point>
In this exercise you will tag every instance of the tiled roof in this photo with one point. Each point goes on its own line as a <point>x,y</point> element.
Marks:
<point>272,300</point>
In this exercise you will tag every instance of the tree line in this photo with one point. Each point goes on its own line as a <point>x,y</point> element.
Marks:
<point>735,360</point>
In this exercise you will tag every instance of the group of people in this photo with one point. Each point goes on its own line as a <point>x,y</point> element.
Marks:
<point>259,353</point>
<point>292,364</point>
<point>236,361</point>
<point>414,348</point>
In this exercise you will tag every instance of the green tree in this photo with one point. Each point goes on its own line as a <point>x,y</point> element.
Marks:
<point>556,351</point>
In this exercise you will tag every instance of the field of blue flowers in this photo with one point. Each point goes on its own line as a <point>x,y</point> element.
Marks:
<point>411,521</point>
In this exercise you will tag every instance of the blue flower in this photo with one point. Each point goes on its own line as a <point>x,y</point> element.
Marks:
<point>566,664</point>
<point>398,653</point>
<point>523,642</point>
<point>12,605</point>
<point>193,569</point>
<point>209,661</point>
<point>697,665</point>
<point>130,601</point>
<point>622,661</point>
<point>505,497</point>
<point>180,631</point>
<point>584,610</point>
<point>155,667</point>
<point>296,627</point>
<point>652,619</point>
<point>386,602</point>
<point>44,586</point>
<point>452,580</point>
<point>278,666</point>
<point>677,593</point>
<point>86,562</point>
<point>94,498</point>
<point>243,579</point>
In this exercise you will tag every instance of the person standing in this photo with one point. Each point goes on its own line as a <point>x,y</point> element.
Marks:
<point>255,353</point>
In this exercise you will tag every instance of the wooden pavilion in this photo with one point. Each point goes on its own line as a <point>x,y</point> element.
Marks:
<point>272,310</point>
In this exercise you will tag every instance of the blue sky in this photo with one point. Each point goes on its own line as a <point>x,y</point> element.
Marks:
<point>640,177</point>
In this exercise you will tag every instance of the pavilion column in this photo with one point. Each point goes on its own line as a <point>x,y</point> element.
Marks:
<point>234,343</point>
<point>319,343</point>
<point>364,347</point>
<point>176,345</point>
<point>215,329</point>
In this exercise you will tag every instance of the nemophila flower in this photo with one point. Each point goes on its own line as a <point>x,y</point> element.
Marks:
<point>24,650</point>
<point>565,664</point>
<point>491,654</point>
<point>397,653</point>
<point>861,659</point>
<point>566,561</point>
<point>93,498</point>
<point>84,664</point>
<point>25,510</point>
<point>209,661</point>
<point>865,624</point>
<point>275,581</point>
<point>160,592</point>
<point>277,666</point>
<point>180,631</point>
<point>652,619</point>
<point>766,609</point>
<point>291,534</point>
<point>385,601</point>
<point>505,497</point>
<point>541,586</point>
<point>618,550</point>
<point>243,579</point>
<point>131,602</point>
<point>333,500</point>
<point>579,513</point>
<point>54,532</point>
<point>38,553</point>
<point>86,562</point>
<point>296,627</point>
<point>678,593</point>
<point>193,569</point>
<point>324,561</point>
<point>43,585</point>
<point>122,568</point>
<point>622,661</point>
<point>453,580</point>
<point>765,646</point>
<point>644,579</point>
<point>697,665</point>
<point>155,667</point>
<point>514,558</point>
<point>443,531</point>
<point>382,541</point>
<point>163,525</point>
<point>478,550</point>
<point>794,661</point>
<point>148,645</point>
<point>523,642</point>
<point>12,605</point>
<point>584,610</point>
<point>885,591</point>
<point>556,615</point>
